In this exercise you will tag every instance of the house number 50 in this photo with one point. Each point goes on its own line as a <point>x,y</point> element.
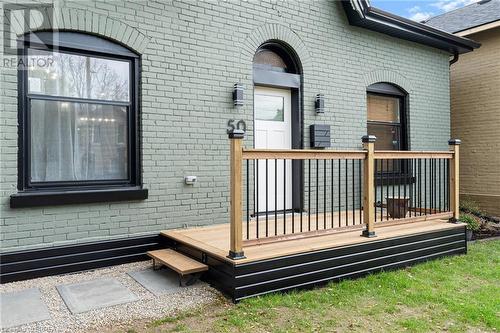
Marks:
<point>240,125</point>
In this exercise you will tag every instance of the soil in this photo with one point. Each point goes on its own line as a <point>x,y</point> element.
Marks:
<point>489,227</point>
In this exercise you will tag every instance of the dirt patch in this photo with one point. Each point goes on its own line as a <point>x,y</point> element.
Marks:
<point>487,229</point>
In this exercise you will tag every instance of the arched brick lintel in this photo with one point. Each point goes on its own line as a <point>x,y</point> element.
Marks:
<point>388,76</point>
<point>69,19</point>
<point>276,32</point>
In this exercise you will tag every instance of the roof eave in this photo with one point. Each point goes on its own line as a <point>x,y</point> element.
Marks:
<point>361,14</point>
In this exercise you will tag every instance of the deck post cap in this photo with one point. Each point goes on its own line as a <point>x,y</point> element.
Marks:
<point>236,134</point>
<point>369,138</point>
<point>454,142</point>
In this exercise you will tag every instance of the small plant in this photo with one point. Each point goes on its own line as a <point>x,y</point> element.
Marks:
<point>471,221</point>
<point>469,206</point>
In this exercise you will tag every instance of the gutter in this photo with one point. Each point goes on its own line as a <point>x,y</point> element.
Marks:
<point>455,59</point>
<point>361,14</point>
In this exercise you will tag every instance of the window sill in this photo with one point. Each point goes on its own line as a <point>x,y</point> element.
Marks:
<point>53,198</point>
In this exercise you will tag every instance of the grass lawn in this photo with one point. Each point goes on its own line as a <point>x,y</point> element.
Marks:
<point>455,294</point>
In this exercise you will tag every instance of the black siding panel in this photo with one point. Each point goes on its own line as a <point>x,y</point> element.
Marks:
<point>22,265</point>
<point>349,259</point>
<point>315,268</point>
<point>339,251</point>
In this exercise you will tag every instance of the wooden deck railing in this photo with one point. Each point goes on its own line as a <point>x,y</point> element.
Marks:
<point>283,194</point>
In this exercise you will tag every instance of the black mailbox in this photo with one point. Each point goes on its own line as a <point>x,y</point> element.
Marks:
<point>320,136</point>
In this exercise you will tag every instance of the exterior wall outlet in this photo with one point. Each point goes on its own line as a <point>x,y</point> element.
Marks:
<point>189,180</point>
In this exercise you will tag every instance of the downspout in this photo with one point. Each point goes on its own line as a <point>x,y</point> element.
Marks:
<point>455,58</point>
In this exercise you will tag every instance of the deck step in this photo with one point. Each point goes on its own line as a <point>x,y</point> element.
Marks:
<point>177,261</point>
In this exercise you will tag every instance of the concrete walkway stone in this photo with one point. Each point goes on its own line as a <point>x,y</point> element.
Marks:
<point>22,307</point>
<point>158,282</point>
<point>95,294</point>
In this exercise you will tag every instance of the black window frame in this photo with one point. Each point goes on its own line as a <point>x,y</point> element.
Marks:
<point>39,193</point>
<point>390,90</point>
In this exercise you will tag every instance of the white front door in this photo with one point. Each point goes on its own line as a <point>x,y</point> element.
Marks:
<point>273,130</point>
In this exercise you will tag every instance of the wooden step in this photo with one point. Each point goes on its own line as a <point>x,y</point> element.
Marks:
<point>177,261</point>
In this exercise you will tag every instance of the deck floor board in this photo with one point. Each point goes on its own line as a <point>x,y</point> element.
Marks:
<point>214,240</point>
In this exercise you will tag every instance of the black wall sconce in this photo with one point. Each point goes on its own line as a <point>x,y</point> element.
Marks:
<point>238,94</point>
<point>319,103</point>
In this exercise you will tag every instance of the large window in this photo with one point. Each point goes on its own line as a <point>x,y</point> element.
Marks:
<point>79,114</point>
<point>384,121</point>
<point>387,119</point>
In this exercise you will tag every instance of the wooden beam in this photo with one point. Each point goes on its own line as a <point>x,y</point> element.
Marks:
<point>391,155</point>
<point>236,229</point>
<point>302,154</point>
<point>368,186</point>
<point>454,179</point>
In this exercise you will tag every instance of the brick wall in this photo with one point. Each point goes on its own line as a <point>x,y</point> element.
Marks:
<point>475,118</point>
<point>192,54</point>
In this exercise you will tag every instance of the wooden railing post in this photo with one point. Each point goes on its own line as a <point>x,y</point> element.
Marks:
<point>236,229</point>
<point>368,186</point>
<point>454,145</point>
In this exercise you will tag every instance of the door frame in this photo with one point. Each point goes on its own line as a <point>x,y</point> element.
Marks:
<point>293,82</point>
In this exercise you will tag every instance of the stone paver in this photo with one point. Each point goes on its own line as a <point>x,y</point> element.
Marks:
<point>22,307</point>
<point>95,294</point>
<point>158,282</point>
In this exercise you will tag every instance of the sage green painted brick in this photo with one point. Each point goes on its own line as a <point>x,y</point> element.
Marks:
<point>192,53</point>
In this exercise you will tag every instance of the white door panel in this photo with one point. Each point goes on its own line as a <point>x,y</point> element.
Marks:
<point>272,119</point>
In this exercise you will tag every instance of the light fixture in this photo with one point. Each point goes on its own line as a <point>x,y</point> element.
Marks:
<point>319,103</point>
<point>238,94</point>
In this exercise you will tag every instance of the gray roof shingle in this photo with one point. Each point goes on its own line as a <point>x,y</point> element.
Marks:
<point>467,17</point>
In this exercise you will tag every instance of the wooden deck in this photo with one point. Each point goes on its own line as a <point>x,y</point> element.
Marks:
<point>214,240</point>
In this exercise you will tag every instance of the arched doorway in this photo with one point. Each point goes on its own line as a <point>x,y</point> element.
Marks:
<point>278,123</point>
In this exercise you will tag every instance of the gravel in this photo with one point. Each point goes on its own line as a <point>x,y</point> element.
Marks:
<point>148,307</point>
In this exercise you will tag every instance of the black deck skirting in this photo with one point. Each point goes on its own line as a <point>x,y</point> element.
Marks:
<point>22,265</point>
<point>306,270</point>
<point>302,270</point>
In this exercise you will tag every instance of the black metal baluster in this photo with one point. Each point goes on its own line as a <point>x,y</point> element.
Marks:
<point>284,196</point>
<point>346,194</point>
<point>359,193</point>
<point>324,194</point>
<point>405,175</point>
<point>429,209</point>
<point>331,189</point>
<point>431,185</point>
<point>381,190</point>
<point>398,164</point>
<point>420,186</point>
<point>394,172</point>
<point>414,185</point>
<point>448,184</point>
<point>375,188</point>
<point>275,197</point>
<point>257,199</point>
<point>434,185</point>
<point>409,178</point>
<point>340,194</point>
<point>440,187</point>
<point>309,196</point>
<point>293,210</point>
<point>301,197</point>
<point>317,194</point>
<point>267,197</point>
<point>248,199</point>
<point>388,180</point>
<point>353,196</point>
<point>425,187</point>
